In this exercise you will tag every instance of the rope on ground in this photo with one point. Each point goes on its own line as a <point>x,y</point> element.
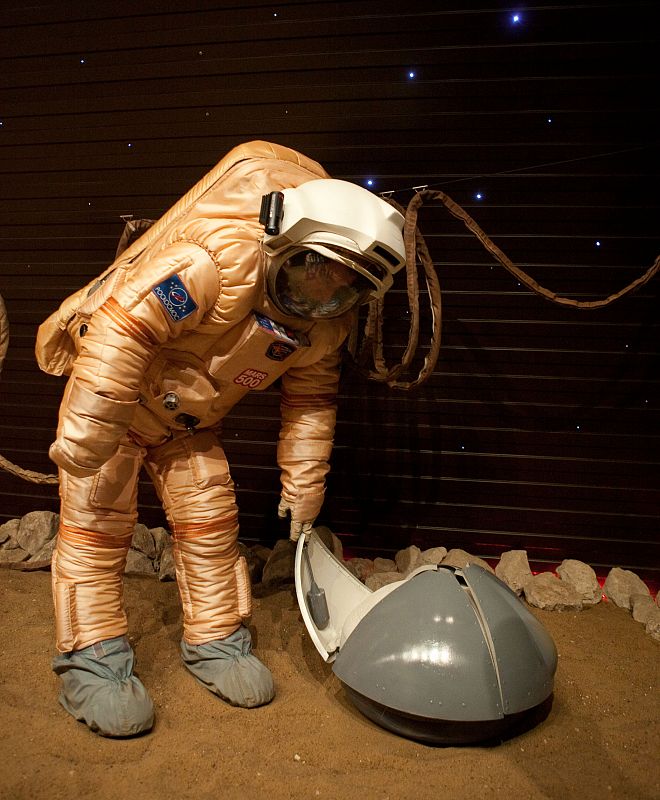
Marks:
<point>25,474</point>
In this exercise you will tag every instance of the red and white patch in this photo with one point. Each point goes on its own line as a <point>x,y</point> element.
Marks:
<point>251,378</point>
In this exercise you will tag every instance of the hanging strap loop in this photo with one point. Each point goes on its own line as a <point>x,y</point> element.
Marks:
<point>416,249</point>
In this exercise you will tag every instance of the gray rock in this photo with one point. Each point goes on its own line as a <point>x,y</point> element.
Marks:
<point>513,569</point>
<point>167,570</point>
<point>13,556</point>
<point>621,584</point>
<point>46,552</point>
<point>255,564</point>
<point>9,530</point>
<point>143,541</point>
<point>459,558</point>
<point>162,539</point>
<point>434,555</point>
<point>653,624</point>
<point>582,578</point>
<point>138,563</point>
<point>384,564</point>
<point>279,567</point>
<point>362,568</point>
<point>379,579</point>
<point>331,541</point>
<point>642,605</point>
<point>547,591</point>
<point>35,529</point>
<point>408,559</point>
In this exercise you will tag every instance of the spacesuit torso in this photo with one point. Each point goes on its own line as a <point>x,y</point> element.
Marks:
<point>180,328</point>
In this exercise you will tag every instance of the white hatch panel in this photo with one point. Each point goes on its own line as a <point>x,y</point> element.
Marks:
<point>343,592</point>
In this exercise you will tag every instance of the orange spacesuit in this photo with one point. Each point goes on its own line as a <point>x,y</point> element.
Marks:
<point>203,308</point>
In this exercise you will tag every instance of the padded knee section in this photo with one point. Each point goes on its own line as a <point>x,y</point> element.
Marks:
<point>213,581</point>
<point>87,572</point>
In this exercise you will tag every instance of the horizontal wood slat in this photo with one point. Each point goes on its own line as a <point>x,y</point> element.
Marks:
<point>539,428</point>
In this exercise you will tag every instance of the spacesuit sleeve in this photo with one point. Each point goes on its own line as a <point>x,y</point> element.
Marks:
<point>309,409</point>
<point>154,304</point>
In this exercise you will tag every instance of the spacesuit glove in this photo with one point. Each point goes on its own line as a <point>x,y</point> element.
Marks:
<point>297,528</point>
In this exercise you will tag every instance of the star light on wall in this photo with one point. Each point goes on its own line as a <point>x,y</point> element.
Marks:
<point>412,74</point>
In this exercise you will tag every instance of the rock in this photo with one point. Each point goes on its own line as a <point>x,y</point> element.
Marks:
<point>642,605</point>
<point>459,558</point>
<point>379,579</point>
<point>9,530</point>
<point>653,624</point>
<point>138,563</point>
<point>35,529</point>
<point>384,565</point>
<point>408,559</point>
<point>13,555</point>
<point>331,541</point>
<point>261,552</point>
<point>513,569</point>
<point>167,571</point>
<point>143,541</point>
<point>162,539</point>
<point>434,555</point>
<point>46,552</point>
<point>547,591</point>
<point>279,567</point>
<point>621,584</point>
<point>254,563</point>
<point>362,568</point>
<point>582,578</point>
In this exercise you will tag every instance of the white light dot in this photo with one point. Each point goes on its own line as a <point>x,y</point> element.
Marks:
<point>411,74</point>
<point>516,18</point>
<point>479,196</point>
<point>130,145</point>
<point>274,13</point>
<point>207,114</point>
<point>89,204</point>
<point>577,427</point>
<point>597,243</point>
<point>201,53</point>
<point>82,60</point>
<point>370,182</point>
<point>549,119</point>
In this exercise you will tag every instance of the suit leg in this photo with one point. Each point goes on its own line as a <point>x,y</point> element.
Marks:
<point>192,477</point>
<point>97,517</point>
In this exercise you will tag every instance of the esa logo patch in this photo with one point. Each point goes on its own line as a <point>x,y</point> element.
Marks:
<point>175,298</point>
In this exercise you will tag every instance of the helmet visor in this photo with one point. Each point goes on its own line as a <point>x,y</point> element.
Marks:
<point>312,286</point>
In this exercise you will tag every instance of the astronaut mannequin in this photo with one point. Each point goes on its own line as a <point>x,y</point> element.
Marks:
<point>252,276</point>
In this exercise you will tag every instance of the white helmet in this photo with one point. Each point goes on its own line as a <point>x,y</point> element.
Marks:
<point>320,226</point>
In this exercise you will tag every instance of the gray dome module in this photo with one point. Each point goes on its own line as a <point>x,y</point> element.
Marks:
<point>446,656</point>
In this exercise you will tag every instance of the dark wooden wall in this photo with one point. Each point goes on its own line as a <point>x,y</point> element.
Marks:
<point>539,429</point>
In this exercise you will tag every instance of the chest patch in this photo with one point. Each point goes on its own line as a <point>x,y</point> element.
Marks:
<point>175,298</point>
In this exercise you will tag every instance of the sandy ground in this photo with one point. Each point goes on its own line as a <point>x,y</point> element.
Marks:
<point>600,739</point>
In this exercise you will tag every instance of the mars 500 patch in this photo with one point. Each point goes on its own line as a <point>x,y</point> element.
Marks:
<point>175,298</point>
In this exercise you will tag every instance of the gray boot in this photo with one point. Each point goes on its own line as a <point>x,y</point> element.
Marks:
<point>99,688</point>
<point>227,668</point>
